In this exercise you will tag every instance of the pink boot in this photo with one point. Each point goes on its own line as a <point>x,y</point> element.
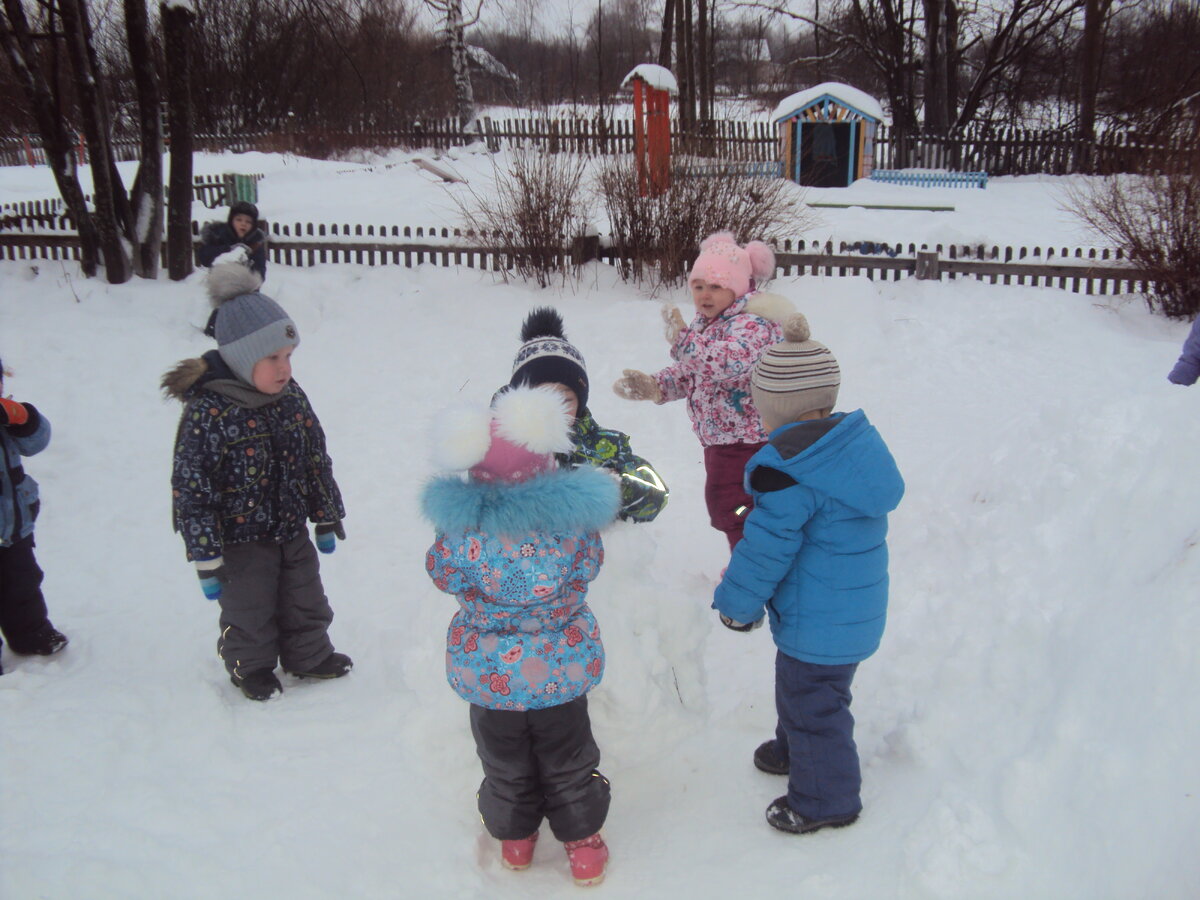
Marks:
<point>588,858</point>
<point>517,855</point>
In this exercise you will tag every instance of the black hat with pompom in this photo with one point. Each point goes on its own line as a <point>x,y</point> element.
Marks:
<point>547,357</point>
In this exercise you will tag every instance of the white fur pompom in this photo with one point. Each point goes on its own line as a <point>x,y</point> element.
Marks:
<point>231,279</point>
<point>537,418</point>
<point>460,436</point>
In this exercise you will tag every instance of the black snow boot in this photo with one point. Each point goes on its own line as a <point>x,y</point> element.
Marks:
<point>767,760</point>
<point>783,817</point>
<point>260,685</point>
<point>335,665</point>
<point>46,641</point>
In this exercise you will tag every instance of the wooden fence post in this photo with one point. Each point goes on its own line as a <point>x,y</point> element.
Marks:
<point>928,268</point>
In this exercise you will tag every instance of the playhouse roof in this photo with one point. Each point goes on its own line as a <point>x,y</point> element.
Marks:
<point>654,76</point>
<point>851,97</point>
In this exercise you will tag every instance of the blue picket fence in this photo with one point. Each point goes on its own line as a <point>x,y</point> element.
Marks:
<point>931,179</point>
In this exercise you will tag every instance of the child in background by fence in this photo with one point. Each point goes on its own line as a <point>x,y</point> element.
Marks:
<point>24,620</point>
<point>547,357</point>
<point>713,358</point>
<point>814,562</point>
<point>250,470</point>
<point>240,230</point>
<point>517,543</point>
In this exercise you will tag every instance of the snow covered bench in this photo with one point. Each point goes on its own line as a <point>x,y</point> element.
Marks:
<point>772,169</point>
<point>931,179</point>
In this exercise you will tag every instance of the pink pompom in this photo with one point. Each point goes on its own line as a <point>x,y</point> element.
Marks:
<point>762,260</point>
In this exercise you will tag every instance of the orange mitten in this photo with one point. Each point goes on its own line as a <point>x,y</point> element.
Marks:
<point>12,412</point>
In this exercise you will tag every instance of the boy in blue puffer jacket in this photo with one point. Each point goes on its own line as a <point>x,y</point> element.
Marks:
<point>23,617</point>
<point>517,544</point>
<point>814,555</point>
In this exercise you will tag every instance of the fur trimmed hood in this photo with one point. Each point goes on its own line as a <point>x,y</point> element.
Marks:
<point>181,379</point>
<point>770,306</point>
<point>584,499</point>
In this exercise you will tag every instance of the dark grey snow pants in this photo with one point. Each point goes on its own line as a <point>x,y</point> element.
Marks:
<point>538,764</point>
<point>273,607</point>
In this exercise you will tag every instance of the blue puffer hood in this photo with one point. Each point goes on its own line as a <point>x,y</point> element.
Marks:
<point>583,499</point>
<point>849,462</point>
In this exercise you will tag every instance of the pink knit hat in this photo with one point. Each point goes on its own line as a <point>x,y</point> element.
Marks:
<point>514,440</point>
<point>723,262</point>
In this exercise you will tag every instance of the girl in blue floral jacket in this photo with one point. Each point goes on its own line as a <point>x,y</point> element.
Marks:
<point>517,544</point>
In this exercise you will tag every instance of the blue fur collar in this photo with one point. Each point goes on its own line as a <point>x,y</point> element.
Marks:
<point>583,499</point>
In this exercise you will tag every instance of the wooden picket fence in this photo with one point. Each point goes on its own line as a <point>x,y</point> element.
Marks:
<point>1092,271</point>
<point>996,151</point>
<point>211,190</point>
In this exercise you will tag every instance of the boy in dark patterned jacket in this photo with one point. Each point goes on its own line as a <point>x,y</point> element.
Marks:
<point>250,470</point>
<point>518,543</point>
<point>547,357</point>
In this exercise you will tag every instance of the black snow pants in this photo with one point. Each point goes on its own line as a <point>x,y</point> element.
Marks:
<point>22,606</point>
<point>538,764</point>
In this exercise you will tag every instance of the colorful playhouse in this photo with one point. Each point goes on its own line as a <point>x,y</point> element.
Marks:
<point>827,134</point>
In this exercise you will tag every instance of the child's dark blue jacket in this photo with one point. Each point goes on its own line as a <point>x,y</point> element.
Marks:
<point>814,552</point>
<point>19,492</point>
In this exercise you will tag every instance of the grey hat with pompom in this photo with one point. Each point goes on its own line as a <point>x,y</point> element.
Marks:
<point>247,325</point>
<point>796,376</point>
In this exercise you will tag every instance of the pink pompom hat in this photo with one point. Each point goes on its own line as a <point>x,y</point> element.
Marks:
<point>723,262</point>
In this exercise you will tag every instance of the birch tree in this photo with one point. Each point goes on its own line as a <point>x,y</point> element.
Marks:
<point>453,34</point>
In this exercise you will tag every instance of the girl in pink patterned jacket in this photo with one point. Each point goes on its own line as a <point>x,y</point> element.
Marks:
<point>714,356</point>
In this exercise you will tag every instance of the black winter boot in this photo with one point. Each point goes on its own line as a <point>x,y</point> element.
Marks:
<point>46,641</point>
<point>783,817</point>
<point>335,665</point>
<point>260,685</point>
<point>767,760</point>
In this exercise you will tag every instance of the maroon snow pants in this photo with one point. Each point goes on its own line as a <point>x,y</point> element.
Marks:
<point>728,502</point>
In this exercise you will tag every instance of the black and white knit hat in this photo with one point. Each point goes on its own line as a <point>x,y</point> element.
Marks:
<point>547,357</point>
<point>247,325</point>
<point>796,376</point>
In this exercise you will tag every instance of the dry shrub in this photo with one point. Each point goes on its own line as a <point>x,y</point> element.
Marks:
<point>537,210</point>
<point>1155,219</point>
<point>657,238</point>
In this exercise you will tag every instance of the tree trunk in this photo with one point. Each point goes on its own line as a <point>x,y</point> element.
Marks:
<point>177,26</point>
<point>56,141</point>
<point>937,117</point>
<point>703,62</point>
<point>104,188</point>
<point>147,195</point>
<point>664,38</point>
<point>460,67</point>
<point>1090,55</point>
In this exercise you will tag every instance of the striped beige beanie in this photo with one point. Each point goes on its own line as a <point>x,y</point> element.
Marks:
<point>795,376</point>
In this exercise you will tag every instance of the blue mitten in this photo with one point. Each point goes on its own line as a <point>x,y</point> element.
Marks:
<point>212,577</point>
<point>328,534</point>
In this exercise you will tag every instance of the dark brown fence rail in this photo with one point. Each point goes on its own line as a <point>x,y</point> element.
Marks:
<point>997,151</point>
<point>1081,270</point>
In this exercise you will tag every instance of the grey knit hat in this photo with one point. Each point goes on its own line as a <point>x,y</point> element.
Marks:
<point>796,376</point>
<point>247,325</point>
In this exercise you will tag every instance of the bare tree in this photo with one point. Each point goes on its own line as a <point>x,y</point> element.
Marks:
<point>18,41</point>
<point>147,193</point>
<point>177,24</point>
<point>453,36</point>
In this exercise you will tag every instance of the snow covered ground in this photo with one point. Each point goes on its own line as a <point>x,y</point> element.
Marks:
<point>1028,728</point>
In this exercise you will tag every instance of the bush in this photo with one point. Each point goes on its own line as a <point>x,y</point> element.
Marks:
<point>537,210</point>
<point>1155,219</point>
<point>660,236</point>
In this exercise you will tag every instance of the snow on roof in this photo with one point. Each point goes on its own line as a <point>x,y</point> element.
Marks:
<point>843,93</point>
<point>654,76</point>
